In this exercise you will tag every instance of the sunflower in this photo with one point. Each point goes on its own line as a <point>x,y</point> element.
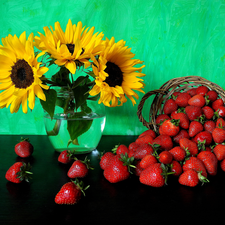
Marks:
<point>116,74</point>
<point>71,48</point>
<point>20,73</point>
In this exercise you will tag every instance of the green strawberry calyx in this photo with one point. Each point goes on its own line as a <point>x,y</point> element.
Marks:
<point>25,172</point>
<point>80,185</point>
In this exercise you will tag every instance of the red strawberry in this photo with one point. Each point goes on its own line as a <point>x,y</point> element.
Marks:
<point>218,135</point>
<point>65,157</point>
<point>70,193</point>
<point>165,142</point>
<point>106,157</point>
<point>180,135</point>
<point>79,169</point>
<point>170,106</point>
<point>170,127</point>
<point>24,148</point>
<point>219,151</point>
<point>18,172</point>
<point>193,112</point>
<point>195,128</point>
<point>138,168</point>
<point>208,112</point>
<point>192,92</point>
<point>160,118</point>
<point>165,157</point>
<point>178,153</point>
<point>189,146</point>
<point>118,168</point>
<point>176,168</point>
<point>120,149</point>
<point>146,139</point>
<point>147,161</point>
<point>209,125</point>
<point>182,99</point>
<point>212,95</point>
<point>220,122</point>
<point>149,132</point>
<point>195,164</point>
<point>202,90</point>
<point>221,111</point>
<point>222,165</point>
<point>153,176</point>
<point>210,161</point>
<point>197,100</point>
<point>217,103</point>
<point>190,178</point>
<point>142,151</point>
<point>184,121</point>
<point>203,137</point>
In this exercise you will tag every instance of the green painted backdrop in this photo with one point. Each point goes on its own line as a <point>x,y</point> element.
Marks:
<point>174,37</point>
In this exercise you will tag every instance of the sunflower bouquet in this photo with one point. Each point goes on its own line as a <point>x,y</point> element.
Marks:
<point>85,64</point>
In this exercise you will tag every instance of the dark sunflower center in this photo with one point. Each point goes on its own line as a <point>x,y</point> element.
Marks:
<point>71,48</point>
<point>22,74</point>
<point>115,75</point>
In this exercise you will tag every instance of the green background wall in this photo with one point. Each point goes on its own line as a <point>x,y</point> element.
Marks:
<point>174,37</point>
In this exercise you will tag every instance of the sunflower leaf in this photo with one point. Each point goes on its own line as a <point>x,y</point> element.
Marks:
<point>49,104</point>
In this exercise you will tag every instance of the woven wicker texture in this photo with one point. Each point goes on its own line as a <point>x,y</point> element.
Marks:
<point>165,92</point>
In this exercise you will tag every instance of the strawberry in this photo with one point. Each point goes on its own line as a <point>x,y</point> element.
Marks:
<point>217,103</point>
<point>182,99</point>
<point>192,92</point>
<point>165,157</point>
<point>118,168</point>
<point>149,132</point>
<point>209,125</point>
<point>210,161</point>
<point>195,128</point>
<point>204,136</point>
<point>147,161</point>
<point>105,158</point>
<point>208,112</point>
<point>142,151</point>
<point>219,151</point>
<point>218,135</point>
<point>191,178</point>
<point>153,175</point>
<point>202,90</point>
<point>65,157</point>
<point>178,153</point>
<point>70,193</point>
<point>182,134</point>
<point>138,169</point>
<point>145,139</point>
<point>18,172</point>
<point>212,95</point>
<point>24,148</point>
<point>182,117</point>
<point>120,149</point>
<point>176,168</point>
<point>170,127</point>
<point>79,169</point>
<point>195,164</point>
<point>161,118</point>
<point>221,111</point>
<point>165,142</point>
<point>170,106</point>
<point>193,112</point>
<point>197,100</point>
<point>189,146</point>
<point>220,122</point>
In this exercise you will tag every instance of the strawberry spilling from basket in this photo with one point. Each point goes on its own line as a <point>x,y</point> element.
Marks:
<point>185,136</point>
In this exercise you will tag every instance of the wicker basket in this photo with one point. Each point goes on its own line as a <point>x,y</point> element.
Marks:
<point>166,90</point>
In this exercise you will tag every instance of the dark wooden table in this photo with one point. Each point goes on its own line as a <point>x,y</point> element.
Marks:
<point>127,202</point>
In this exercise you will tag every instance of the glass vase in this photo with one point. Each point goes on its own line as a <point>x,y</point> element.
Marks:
<point>88,126</point>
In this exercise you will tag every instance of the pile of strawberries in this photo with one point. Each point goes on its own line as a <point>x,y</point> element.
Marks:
<point>188,143</point>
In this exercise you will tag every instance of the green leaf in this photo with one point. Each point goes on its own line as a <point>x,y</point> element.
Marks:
<point>49,104</point>
<point>80,95</point>
<point>77,128</point>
